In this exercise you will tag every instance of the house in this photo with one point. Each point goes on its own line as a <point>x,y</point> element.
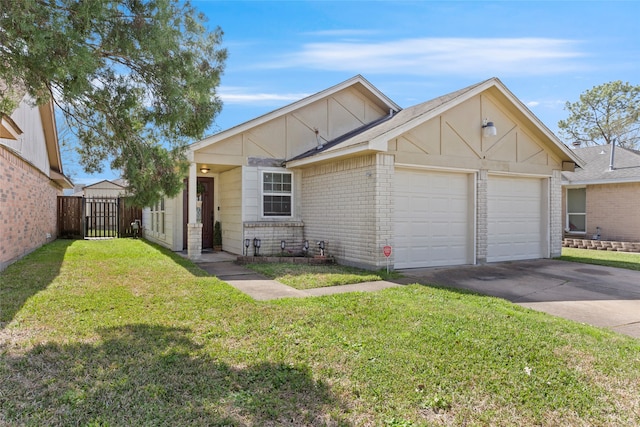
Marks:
<point>103,189</point>
<point>469,177</point>
<point>101,205</point>
<point>601,200</point>
<point>31,179</point>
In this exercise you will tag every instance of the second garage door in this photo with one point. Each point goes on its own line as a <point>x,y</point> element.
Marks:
<point>516,212</point>
<point>432,219</point>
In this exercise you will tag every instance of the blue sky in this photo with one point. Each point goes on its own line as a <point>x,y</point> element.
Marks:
<point>546,53</point>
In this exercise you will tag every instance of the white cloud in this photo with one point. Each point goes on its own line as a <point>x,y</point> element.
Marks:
<point>237,95</point>
<point>435,56</point>
<point>547,103</point>
<point>341,33</point>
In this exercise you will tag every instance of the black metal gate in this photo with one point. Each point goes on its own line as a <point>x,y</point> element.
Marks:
<point>96,217</point>
<point>100,217</point>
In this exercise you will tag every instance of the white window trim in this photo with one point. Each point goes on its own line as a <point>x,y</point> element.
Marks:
<point>262,193</point>
<point>158,218</point>
<point>567,222</point>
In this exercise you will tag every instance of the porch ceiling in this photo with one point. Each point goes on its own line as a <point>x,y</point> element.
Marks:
<point>215,168</point>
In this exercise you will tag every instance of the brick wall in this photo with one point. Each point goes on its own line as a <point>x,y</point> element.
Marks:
<point>482,220</point>
<point>28,203</point>
<point>272,233</point>
<point>615,208</point>
<point>555,213</point>
<point>349,204</point>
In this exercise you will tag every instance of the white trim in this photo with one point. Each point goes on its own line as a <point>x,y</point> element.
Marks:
<point>293,107</point>
<point>261,193</point>
<point>360,148</point>
<point>565,226</point>
<point>476,90</point>
<point>566,183</point>
<point>434,168</point>
<point>518,174</point>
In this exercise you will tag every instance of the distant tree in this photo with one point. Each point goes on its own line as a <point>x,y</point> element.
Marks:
<point>605,114</point>
<point>135,79</point>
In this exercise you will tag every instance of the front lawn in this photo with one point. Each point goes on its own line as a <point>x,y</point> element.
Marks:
<point>121,332</point>
<point>628,260</point>
<point>305,276</point>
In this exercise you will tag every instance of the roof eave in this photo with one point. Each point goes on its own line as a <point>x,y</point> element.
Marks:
<point>601,181</point>
<point>60,179</point>
<point>335,154</point>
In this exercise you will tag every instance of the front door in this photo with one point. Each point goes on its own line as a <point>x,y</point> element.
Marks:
<point>205,189</point>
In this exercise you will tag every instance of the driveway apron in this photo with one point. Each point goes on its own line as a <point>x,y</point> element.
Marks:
<point>601,296</point>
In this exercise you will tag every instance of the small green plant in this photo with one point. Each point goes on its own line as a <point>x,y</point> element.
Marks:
<point>398,422</point>
<point>217,234</point>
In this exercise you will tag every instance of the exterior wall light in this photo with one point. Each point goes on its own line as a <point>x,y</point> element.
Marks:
<point>204,169</point>
<point>488,129</point>
<point>247,242</point>
<point>256,246</point>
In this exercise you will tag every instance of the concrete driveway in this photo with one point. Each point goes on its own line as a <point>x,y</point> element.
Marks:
<point>600,296</point>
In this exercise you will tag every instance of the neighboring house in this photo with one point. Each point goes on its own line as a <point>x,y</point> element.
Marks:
<point>349,167</point>
<point>101,205</point>
<point>31,179</point>
<point>104,189</point>
<point>600,200</point>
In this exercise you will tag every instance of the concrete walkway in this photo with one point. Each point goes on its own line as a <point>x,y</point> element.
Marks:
<point>258,287</point>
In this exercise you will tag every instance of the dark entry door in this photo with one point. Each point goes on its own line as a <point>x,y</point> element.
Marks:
<point>205,185</point>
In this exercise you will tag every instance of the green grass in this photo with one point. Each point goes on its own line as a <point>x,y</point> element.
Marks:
<point>304,276</point>
<point>121,332</point>
<point>628,260</point>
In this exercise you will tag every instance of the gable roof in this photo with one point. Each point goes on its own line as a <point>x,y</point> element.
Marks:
<point>375,138</point>
<point>357,81</point>
<point>115,183</point>
<point>626,166</point>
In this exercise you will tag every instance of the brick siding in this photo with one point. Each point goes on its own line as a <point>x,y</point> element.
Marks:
<point>482,219</point>
<point>349,204</point>
<point>555,213</point>
<point>615,208</point>
<point>28,203</point>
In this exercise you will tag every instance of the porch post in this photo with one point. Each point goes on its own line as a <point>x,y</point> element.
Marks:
<point>194,229</point>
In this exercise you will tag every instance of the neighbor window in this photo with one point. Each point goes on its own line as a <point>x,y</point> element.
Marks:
<point>276,194</point>
<point>577,210</point>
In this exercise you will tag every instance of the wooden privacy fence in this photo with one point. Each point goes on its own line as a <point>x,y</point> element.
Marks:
<point>96,217</point>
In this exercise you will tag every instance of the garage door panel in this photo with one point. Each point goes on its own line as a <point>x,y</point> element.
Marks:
<point>515,219</point>
<point>431,219</point>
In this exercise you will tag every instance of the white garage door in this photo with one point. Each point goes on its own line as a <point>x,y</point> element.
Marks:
<point>432,211</point>
<point>515,218</point>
